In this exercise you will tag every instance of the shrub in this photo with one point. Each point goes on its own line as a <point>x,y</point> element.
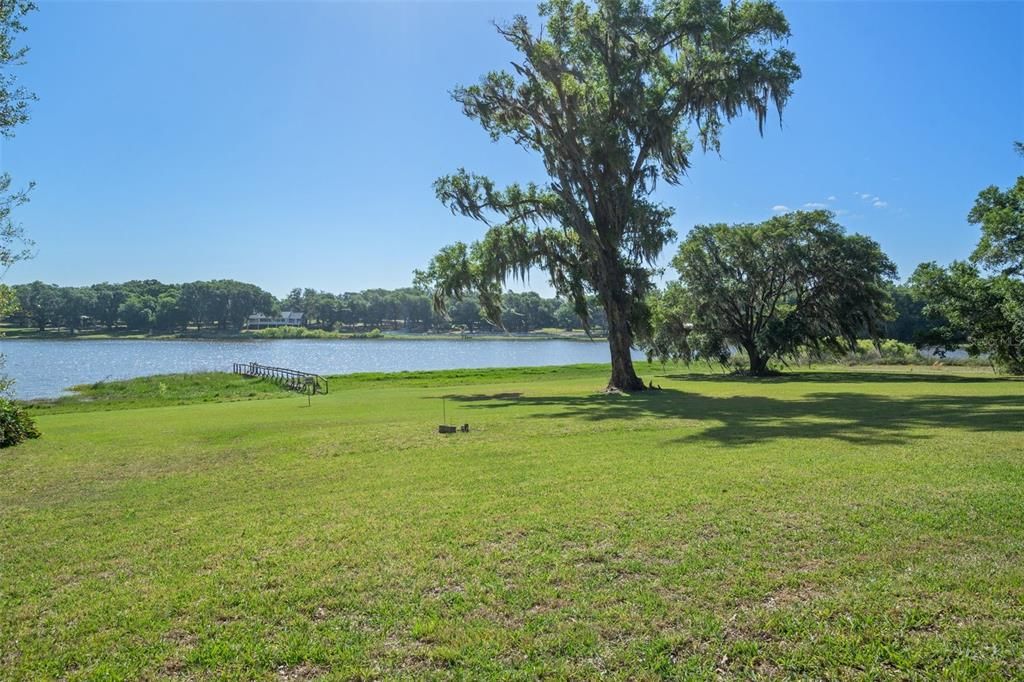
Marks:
<point>897,353</point>
<point>15,424</point>
<point>892,352</point>
<point>294,333</point>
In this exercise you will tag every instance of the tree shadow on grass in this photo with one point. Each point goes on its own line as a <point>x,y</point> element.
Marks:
<point>851,377</point>
<point>478,397</point>
<point>859,418</point>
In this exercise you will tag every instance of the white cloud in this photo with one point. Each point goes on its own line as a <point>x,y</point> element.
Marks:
<point>831,198</point>
<point>873,199</point>
<point>842,211</point>
<point>779,208</point>
<point>814,204</point>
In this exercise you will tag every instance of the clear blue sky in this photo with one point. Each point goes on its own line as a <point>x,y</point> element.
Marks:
<point>293,144</point>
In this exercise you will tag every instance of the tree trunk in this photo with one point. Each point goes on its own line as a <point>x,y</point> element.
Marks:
<point>758,363</point>
<point>620,343</point>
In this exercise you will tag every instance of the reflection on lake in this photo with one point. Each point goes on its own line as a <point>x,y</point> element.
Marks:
<point>46,368</point>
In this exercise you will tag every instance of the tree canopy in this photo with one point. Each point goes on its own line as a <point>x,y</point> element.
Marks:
<point>987,311</point>
<point>610,96</point>
<point>792,283</point>
<point>1000,213</point>
<point>150,305</point>
<point>14,111</point>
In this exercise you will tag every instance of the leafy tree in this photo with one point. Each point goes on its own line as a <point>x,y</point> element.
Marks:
<point>605,96</point>
<point>294,301</point>
<point>138,312</point>
<point>466,314</point>
<point>146,287</point>
<point>310,303</point>
<point>413,307</point>
<point>74,304</point>
<point>108,298</point>
<point>15,424</point>
<point>229,302</point>
<point>911,323</point>
<point>169,313</point>
<point>39,301</point>
<point>524,311</point>
<point>353,308</point>
<point>14,111</point>
<point>673,335</point>
<point>326,309</point>
<point>987,311</point>
<point>1001,217</point>
<point>793,282</point>
<point>565,316</point>
<point>378,308</point>
<point>194,299</point>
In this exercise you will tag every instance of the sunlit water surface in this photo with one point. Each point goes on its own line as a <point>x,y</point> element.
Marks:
<point>46,368</point>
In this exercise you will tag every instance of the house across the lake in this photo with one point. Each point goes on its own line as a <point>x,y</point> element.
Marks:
<point>286,319</point>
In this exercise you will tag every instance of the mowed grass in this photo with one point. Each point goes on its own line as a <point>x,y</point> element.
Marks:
<point>826,524</point>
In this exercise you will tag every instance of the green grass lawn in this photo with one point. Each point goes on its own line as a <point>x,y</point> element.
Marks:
<point>825,524</point>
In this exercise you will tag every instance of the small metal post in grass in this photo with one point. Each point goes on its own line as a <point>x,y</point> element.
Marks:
<point>444,428</point>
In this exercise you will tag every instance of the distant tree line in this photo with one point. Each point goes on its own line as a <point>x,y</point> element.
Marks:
<point>151,306</point>
<point>225,305</point>
<point>412,309</point>
<point>143,305</point>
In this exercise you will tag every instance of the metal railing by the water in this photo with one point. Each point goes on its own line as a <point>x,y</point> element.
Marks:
<point>303,382</point>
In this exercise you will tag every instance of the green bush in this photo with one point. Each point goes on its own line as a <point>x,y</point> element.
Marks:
<point>15,424</point>
<point>303,333</point>
<point>897,353</point>
<point>890,351</point>
<point>294,333</point>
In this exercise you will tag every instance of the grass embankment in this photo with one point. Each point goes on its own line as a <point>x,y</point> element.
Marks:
<point>832,523</point>
<point>160,390</point>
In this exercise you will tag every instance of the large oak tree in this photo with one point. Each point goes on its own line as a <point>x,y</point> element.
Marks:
<point>612,96</point>
<point>774,289</point>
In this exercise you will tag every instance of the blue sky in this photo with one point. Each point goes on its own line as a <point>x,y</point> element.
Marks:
<point>294,144</point>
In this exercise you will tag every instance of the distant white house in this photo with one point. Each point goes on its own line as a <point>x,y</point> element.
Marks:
<point>286,319</point>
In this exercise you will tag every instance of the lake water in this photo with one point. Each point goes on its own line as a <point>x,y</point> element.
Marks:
<point>45,369</point>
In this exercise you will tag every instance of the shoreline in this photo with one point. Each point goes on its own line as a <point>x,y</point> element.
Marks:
<point>182,388</point>
<point>311,335</point>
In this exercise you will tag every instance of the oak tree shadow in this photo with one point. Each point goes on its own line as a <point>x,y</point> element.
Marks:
<point>834,377</point>
<point>476,397</point>
<point>860,418</point>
